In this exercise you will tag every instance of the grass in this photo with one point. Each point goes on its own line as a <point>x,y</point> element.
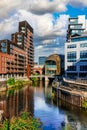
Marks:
<point>24,122</point>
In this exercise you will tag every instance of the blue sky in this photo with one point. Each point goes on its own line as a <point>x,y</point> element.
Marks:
<point>49,19</point>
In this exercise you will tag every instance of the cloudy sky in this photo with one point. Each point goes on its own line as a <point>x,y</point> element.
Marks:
<point>49,19</point>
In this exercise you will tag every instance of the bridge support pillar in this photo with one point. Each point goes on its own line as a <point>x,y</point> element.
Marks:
<point>40,78</point>
<point>46,78</point>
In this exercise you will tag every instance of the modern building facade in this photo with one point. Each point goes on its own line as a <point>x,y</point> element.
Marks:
<point>42,60</point>
<point>17,55</point>
<point>54,65</point>
<point>76,48</point>
<point>76,26</point>
<point>76,57</point>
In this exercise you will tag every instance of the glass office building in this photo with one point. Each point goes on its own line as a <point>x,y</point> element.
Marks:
<point>76,57</point>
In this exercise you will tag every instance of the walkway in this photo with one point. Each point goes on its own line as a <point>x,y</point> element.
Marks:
<point>77,82</point>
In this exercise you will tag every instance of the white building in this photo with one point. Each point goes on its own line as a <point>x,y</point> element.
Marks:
<point>77,25</point>
<point>76,57</point>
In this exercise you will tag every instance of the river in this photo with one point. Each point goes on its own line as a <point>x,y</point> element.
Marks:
<point>54,115</point>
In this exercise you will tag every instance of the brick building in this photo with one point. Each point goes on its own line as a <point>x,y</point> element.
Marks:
<point>17,55</point>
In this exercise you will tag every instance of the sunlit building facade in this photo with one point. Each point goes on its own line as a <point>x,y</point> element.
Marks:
<point>17,55</point>
<point>42,60</point>
<point>54,65</point>
<point>76,57</point>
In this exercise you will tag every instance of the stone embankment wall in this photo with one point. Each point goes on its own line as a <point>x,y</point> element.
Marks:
<point>67,96</point>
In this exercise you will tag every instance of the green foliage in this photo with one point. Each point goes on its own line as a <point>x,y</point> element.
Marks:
<point>84,104</point>
<point>25,115</point>
<point>24,122</point>
<point>11,92</point>
<point>11,81</point>
<point>68,127</point>
<point>19,83</point>
<point>35,78</point>
<point>5,126</point>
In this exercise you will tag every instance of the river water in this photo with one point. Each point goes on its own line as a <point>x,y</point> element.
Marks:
<point>54,115</point>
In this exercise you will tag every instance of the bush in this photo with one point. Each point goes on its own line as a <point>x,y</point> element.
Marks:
<point>24,122</point>
<point>11,81</point>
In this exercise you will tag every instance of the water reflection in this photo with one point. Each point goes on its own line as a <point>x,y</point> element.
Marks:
<point>46,111</point>
<point>13,103</point>
<point>54,115</point>
<point>77,117</point>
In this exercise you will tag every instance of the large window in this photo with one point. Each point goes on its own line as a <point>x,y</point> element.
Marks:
<point>79,39</point>
<point>23,29</point>
<point>83,55</point>
<point>83,68</point>
<point>4,47</point>
<point>3,44</point>
<point>71,46</point>
<point>4,50</point>
<point>71,56</point>
<point>83,45</point>
<point>71,68</point>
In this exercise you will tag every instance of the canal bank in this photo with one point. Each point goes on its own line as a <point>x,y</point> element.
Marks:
<point>52,114</point>
<point>71,92</point>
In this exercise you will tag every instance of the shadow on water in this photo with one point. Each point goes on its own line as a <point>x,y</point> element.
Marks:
<point>76,116</point>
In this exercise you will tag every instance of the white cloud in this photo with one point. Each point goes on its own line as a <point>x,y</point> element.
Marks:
<point>37,6</point>
<point>47,30</point>
<point>8,26</point>
<point>34,6</point>
<point>44,6</point>
<point>78,3</point>
<point>44,29</point>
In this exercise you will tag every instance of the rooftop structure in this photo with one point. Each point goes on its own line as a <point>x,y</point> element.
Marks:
<point>76,26</point>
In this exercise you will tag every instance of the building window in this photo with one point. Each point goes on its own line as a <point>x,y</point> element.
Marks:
<point>71,46</point>
<point>71,68</point>
<point>4,50</point>
<point>83,45</point>
<point>23,29</point>
<point>79,39</point>
<point>71,56</point>
<point>3,47</point>
<point>83,55</point>
<point>11,46</point>
<point>83,68</point>
<point>11,51</point>
<point>3,44</point>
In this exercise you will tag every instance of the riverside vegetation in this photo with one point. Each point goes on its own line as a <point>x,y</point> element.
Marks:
<point>12,83</point>
<point>24,122</point>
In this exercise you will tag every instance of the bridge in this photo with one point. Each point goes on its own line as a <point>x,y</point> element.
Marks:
<point>38,70</point>
<point>42,76</point>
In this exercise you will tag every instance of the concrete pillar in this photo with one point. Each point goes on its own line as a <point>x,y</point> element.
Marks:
<point>46,78</point>
<point>2,76</point>
<point>7,76</point>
